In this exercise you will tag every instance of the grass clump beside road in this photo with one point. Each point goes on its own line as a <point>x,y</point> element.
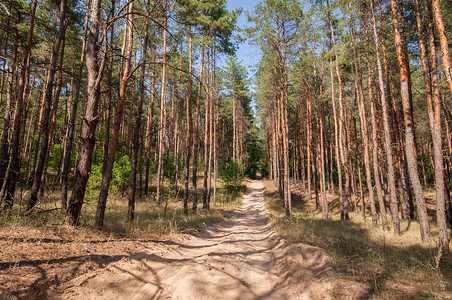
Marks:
<point>395,266</point>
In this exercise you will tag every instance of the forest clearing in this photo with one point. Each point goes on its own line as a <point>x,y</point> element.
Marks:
<point>196,149</point>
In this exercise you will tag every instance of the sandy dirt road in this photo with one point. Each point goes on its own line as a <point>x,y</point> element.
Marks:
<point>239,258</point>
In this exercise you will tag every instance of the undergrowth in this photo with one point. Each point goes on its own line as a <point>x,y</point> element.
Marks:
<point>150,219</point>
<point>395,266</point>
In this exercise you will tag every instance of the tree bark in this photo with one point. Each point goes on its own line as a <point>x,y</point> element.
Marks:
<point>150,123</point>
<point>14,166</point>
<point>387,133</point>
<point>5,143</point>
<point>309,141</point>
<point>90,118</point>
<point>196,134</point>
<point>207,103</point>
<point>434,112</point>
<point>53,119</point>
<point>342,142</point>
<point>137,129</point>
<point>336,141</point>
<point>189,122</point>
<point>321,142</point>
<point>106,177</point>
<point>162,125</point>
<point>46,122</point>
<point>71,128</point>
<point>443,41</point>
<point>364,130</point>
<point>409,128</point>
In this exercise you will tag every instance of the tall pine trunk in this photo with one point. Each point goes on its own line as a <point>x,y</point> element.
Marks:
<point>443,41</point>
<point>196,134</point>
<point>90,118</point>
<point>387,134</point>
<point>189,125</point>
<point>162,125</point>
<point>207,112</point>
<point>5,140</point>
<point>434,112</point>
<point>71,126</point>
<point>409,128</point>
<point>137,129</point>
<point>46,122</point>
<point>14,165</point>
<point>108,173</point>
<point>336,141</point>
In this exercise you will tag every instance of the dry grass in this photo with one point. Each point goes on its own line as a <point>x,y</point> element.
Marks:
<point>150,219</point>
<point>396,266</point>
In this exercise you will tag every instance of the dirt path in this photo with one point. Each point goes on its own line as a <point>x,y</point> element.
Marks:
<point>240,258</point>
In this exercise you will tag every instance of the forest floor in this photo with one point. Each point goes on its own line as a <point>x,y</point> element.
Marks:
<point>238,258</point>
<point>395,266</point>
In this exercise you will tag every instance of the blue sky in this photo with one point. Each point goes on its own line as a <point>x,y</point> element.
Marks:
<point>248,53</point>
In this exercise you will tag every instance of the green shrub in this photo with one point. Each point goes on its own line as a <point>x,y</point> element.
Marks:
<point>121,171</point>
<point>169,166</point>
<point>230,172</point>
<point>56,156</point>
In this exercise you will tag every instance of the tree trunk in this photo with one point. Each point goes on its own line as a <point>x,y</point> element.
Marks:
<point>387,133</point>
<point>90,118</point>
<point>343,149</point>
<point>215,145</point>
<point>150,124</point>
<point>136,134</point>
<point>207,104</point>
<point>285,126</point>
<point>434,111</point>
<point>5,144</point>
<point>409,128</point>
<point>106,177</point>
<point>107,119</point>
<point>53,120</point>
<point>443,41</point>
<point>188,140</point>
<point>45,126</point>
<point>322,151</point>
<point>375,159</point>
<point>364,131</point>
<point>211,112</point>
<point>196,134</point>
<point>14,166</point>
<point>336,141</point>
<point>162,126</point>
<point>71,128</point>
